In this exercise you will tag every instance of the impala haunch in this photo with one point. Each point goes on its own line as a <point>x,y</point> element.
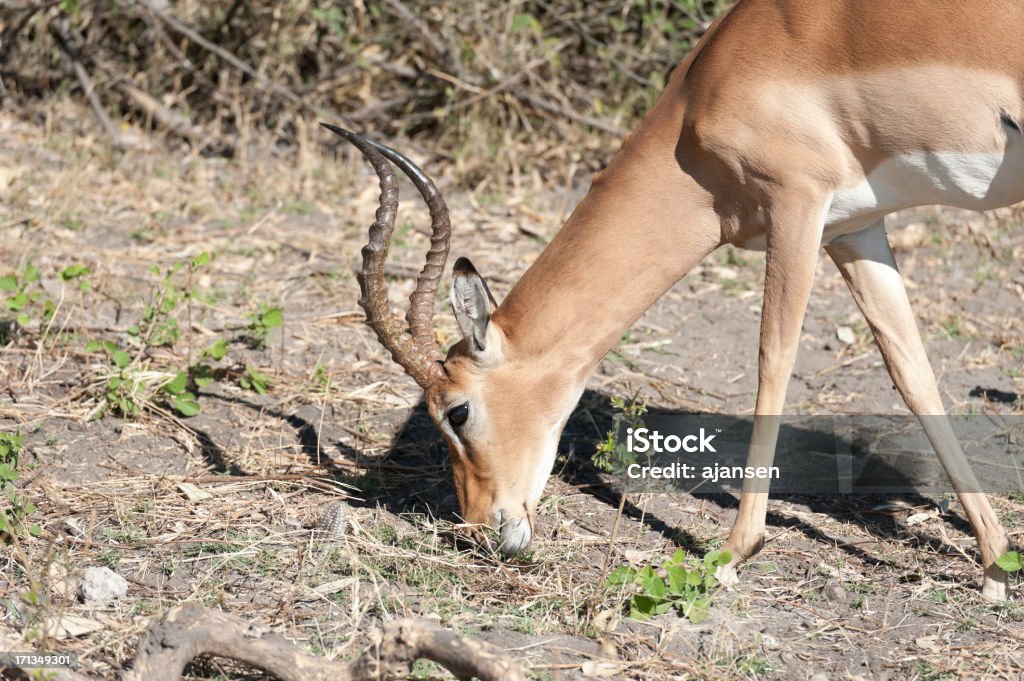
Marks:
<point>792,126</point>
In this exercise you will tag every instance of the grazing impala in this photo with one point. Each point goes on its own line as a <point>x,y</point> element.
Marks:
<point>791,126</point>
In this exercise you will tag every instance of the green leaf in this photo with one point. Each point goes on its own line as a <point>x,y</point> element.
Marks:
<point>1011,561</point>
<point>121,359</point>
<point>621,575</point>
<point>74,272</point>
<point>23,319</point>
<point>93,346</point>
<point>218,350</point>
<point>254,380</point>
<point>525,22</point>
<point>654,586</point>
<point>272,318</point>
<point>200,260</point>
<point>697,611</point>
<point>9,283</point>
<point>676,578</point>
<point>110,346</point>
<point>724,558</point>
<point>202,374</point>
<point>17,302</point>
<point>186,404</point>
<point>31,274</point>
<point>177,385</point>
<point>643,608</point>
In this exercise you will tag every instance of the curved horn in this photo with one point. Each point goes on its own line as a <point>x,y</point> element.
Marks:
<point>419,353</point>
<point>421,302</point>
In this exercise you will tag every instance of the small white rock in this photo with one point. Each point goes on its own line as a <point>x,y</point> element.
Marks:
<point>100,585</point>
<point>846,335</point>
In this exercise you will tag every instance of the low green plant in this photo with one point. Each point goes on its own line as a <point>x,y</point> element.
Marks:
<point>129,384</point>
<point>202,373</point>
<point>181,399</point>
<point>23,293</point>
<point>158,326</point>
<point>684,584</point>
<point>14,515</point>
<point>262,322</point>
<point>123,390</point>
<point>254,380</point>
<point>127,388</point>
<point>78,274</point>
<point>613,454</point>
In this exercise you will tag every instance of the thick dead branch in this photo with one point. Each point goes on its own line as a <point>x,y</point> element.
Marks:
<point>191,630</point>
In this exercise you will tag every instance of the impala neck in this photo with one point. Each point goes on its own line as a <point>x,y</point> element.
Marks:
<point>645,223</point>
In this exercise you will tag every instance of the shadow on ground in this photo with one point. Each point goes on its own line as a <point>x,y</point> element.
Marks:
<point>412,475</point>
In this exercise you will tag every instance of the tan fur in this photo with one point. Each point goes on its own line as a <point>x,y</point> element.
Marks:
<point>783,104</point>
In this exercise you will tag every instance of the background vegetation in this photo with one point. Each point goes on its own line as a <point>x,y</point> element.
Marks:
<point>495,87</point>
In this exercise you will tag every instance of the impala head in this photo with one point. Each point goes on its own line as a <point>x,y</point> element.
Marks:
<point>501,416</point>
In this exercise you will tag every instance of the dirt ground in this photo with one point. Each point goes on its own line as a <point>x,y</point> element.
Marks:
<point>216,507</point>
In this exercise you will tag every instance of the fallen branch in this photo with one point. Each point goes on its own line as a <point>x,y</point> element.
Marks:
<point>190,630</point>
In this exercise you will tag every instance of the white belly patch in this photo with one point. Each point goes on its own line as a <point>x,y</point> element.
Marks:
<point>973,181</point>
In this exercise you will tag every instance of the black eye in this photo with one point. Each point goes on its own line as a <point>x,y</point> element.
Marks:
<point>458,415</point>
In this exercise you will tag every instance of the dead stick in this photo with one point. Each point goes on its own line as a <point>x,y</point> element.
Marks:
<point>59,30</point>
<point>544,105</point>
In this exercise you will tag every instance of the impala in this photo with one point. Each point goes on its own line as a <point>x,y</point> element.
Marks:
<point>792,126</point>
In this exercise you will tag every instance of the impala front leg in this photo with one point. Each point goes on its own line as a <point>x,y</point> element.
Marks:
<point>870,270</point>
<point>794,239</point>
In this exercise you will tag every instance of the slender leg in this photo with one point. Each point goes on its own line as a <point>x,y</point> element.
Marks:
<point>794,239</point>
<point>867,264</point>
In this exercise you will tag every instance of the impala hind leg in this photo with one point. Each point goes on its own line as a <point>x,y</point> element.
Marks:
<point>794,239</point>
<point>867,264</point>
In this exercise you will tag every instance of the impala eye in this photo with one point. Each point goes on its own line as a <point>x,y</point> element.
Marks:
<point>458,415</point>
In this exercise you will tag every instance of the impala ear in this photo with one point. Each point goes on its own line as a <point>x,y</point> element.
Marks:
<point>472,302</point>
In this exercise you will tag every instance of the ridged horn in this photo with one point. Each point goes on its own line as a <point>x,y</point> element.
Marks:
<point>413,347</point>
